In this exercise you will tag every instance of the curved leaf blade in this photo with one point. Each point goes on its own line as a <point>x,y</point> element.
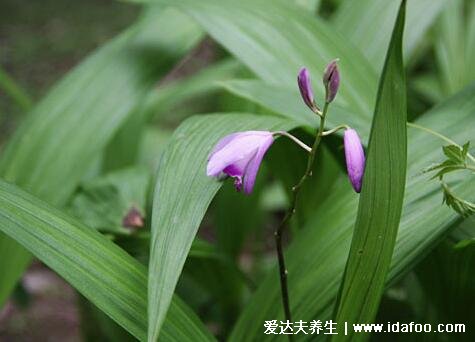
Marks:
<point>65,133</point>
<point>103,272</point>
<point>183,192</point>
<point>316,258</point>
<point>282,40</point>
<point>357,20</point>
<point>382,195</point>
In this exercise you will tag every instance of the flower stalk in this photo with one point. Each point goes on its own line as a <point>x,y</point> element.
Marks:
<point>294,139</point>
<point>290,212</point>
<point>240,154</point>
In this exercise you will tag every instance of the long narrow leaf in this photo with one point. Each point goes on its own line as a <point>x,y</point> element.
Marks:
<point>381,198</point>
<point>96,267</point>
<point>182,195</point>
<point>281,39</point>
<point>65,133</point>
<point>357,21</point>
<point>316,258</point>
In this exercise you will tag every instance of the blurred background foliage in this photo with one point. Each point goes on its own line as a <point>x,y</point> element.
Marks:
<point>41,41</point>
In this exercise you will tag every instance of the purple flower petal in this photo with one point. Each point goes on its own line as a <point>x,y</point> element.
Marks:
<point>223,142</point>
<point>305,86</point>
<point>331,80</point>
<point>241,146</point>
<point>239,156</point>
<point>355,158</point>
<point>253,167</point>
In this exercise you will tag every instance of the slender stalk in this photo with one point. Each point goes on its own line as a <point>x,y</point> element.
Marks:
<point>336,129</point>
<point>278,233</point>
<point>294,139</point>
<point>441,136</point>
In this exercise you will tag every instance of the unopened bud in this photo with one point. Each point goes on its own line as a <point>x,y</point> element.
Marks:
<point>133,219</point>
<point>331,80</point>
<point>305,87</point>
<point>355,158</point>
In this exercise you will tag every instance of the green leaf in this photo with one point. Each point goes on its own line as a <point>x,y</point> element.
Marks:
<point>465,149</point>
<point>446,275</point>
<point>153,142</point>
<point>455,46</point>
<point>357,21</point>
<point>461,206</point>
<point>382,196</point>
<point>182,195</point>
<point>317,255</point>
<point>236,216</point>
<point>276,43</point>
<point>65,133</point>
<point>163,103</point>
<point>309,5</point>
<point>454,153</point>
<point>12,89</point>
<point>104,203</point>
<point>101,271</point>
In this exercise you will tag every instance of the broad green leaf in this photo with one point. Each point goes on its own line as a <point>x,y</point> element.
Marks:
<point>309,5</point>
<point>465,231</point>
<point>153,142</point>
<point>276,43</point>
<point>101,271</point>
<point>446,275</point>
<point>357,20</point>
<point>382,195</point>
<point>455,46</point>
<point>163,102</point>
<point>65,133</point>
<point>182,195</point>
<point>236,216</point>
<point>316,258</point>
<point>105,202</point>
<point>429,86</point>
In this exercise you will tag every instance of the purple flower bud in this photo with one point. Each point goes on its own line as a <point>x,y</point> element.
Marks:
<point>239,155</point>
<point>305,87</point>
<point>355,159</point>
<point>331,80</point>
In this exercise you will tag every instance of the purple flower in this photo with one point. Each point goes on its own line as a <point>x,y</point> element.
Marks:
<point>239,155</point>
<point>305,87</point>
<point>331,80</point>
<point>355,159</point>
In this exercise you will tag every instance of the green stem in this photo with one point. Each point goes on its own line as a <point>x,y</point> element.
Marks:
<point>278,233</point>
<point>441,136</point>
<point>336,129</point>
<point>294,139</point>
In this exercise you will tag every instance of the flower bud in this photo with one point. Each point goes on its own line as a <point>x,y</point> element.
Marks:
<point>331,80</point>
<point>355,158</point>
<point>305,87</point>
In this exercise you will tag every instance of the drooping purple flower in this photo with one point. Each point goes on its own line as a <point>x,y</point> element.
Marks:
<point>305,86</point>
<point>331,80</point>
<point>239,155</point>
<point>355,158</point>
